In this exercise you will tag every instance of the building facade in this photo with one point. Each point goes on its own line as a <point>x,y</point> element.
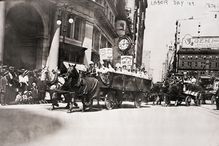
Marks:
<point>196,45</point>
<point>28,28</point>
<point>198,62</point>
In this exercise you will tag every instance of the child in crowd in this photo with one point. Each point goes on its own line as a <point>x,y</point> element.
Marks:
<point>25,97</point>
<point>19,98</point>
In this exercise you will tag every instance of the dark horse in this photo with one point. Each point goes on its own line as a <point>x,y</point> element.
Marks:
<point>174,93</point>
<point>84,88</point>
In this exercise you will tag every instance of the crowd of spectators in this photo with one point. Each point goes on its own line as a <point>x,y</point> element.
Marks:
<point>21,86</point>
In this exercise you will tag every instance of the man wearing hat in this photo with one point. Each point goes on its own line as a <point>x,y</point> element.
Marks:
<point>3,85</point>
<point>91,71</point>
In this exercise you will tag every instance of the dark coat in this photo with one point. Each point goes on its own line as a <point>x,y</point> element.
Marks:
<point>3,84</point>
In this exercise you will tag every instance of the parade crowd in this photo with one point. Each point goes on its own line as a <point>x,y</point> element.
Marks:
<point>20,86</point>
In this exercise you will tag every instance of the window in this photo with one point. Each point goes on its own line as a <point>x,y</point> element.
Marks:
<point>96,39</point>
<point>70,28</point>
<point>202,64</point>
<point>217,64</point>
<point>103,42</point>
<point>79,29</point>
<point>183,64</point>
<point>190,64</point>
<point>75,30</point>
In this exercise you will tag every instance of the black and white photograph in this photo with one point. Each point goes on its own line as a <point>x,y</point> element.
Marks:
<point>109,72</point>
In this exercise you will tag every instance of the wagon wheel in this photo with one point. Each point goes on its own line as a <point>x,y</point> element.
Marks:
<point>188,100</point>
<point>109,101</point>
<point>138,101</point>
<point>197,99</point>
<point>119,98</point>
<point>119,102</point>
<point>213,99</point>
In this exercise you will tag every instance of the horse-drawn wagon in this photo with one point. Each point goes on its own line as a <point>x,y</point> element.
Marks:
<point>209,87</point>
<point>180,90</point>
<point>112,87</point>
<point>117,87</point>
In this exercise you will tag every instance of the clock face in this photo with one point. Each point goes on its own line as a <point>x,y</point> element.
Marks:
<point>123,44</point>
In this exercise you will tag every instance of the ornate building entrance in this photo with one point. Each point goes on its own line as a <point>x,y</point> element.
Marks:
<point>23,37</point>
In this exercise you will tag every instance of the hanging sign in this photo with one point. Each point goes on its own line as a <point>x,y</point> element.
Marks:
<point>126,60</point>
<point>106,53</point>
<point>200,42</point>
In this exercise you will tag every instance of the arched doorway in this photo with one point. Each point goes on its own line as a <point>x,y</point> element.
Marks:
<point>23,37</point>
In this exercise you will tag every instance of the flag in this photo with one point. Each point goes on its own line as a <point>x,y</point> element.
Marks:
<point>52,60</point>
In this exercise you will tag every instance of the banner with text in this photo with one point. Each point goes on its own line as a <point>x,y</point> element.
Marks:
<point>126,61</point>
<point>106,53</point>
<point>201,42</point>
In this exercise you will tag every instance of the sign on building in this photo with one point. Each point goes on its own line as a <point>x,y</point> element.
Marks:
<point>200,42</point>
<point>126,61</point>
<point>106,53</point>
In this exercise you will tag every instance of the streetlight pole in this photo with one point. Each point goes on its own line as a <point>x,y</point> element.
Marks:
<point>61,21</point>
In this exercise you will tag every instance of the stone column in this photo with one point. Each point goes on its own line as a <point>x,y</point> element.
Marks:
<point>2,28</point>
<point>87,43</point>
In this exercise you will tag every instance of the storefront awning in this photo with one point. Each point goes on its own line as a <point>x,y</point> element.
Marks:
<point>79,67</point>
<point>74,48</point>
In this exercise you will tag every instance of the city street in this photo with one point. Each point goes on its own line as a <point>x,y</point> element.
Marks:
<point>152,125</point>
<point>116,51</point>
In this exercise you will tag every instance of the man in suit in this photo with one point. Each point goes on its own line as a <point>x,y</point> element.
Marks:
<point>3,85</point>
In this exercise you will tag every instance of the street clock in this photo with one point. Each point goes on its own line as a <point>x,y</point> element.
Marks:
<point>124,43</point>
